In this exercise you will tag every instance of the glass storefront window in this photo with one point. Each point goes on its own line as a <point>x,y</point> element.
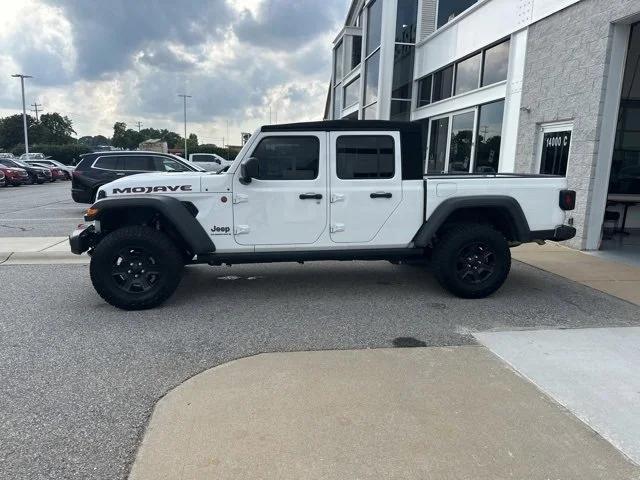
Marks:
<point>424,91</point>
<point>496,64</point>
<point>402,71</point>
<point>400,110</point>
<point>450,9</point>
<point>468,74</point>
<point>371,112</point>
<point>489,137</point>
<point>374,23</point>
<point>356,51</point>
<point>438,145</point>
<point>461,142</point>
<point>338,62</point>
<point>625,165</point>
<point>442,84</point>
<point>351,93</point>
<point>372,69</point>
<point>406,21</point>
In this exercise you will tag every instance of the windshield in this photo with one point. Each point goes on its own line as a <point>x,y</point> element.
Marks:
<point>190,166</point>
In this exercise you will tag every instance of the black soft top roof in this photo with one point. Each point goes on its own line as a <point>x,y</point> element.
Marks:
<point>342,125</point>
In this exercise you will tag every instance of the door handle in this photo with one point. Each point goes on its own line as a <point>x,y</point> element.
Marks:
<point>381,195</point>
<point>120,174</point>
<point>310,196</point>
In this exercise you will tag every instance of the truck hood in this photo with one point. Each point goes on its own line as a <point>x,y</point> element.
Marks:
<point>157,182</point>
<point>164,183</point>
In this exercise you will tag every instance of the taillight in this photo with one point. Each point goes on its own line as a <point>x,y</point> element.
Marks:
<point>567,199</point>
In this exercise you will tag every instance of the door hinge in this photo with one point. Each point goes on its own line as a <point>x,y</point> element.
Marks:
<point>337,197</point>
<point>337,227</point>
<point>241,229</point>
<point>240,198</point>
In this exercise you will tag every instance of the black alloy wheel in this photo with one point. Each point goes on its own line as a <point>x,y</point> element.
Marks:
<point>136,267</point>
<point>476,262</point>
<point>136,270</point>
<point>472,260</point>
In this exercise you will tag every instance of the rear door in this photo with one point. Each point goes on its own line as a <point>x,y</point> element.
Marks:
<point>366,183</point>
<point>132,164</point>
<point>105,169</point>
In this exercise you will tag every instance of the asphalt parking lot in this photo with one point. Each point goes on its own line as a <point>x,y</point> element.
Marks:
<point>39,210</point>
<point>80,378</point>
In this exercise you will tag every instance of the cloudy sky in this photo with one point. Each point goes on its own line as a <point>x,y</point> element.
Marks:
<point>102,61</point>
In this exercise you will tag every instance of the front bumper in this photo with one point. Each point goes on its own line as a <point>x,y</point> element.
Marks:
<point>82,238</point>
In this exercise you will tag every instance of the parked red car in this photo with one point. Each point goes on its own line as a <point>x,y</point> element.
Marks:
<point>56,173</point>
<point>14,176</point>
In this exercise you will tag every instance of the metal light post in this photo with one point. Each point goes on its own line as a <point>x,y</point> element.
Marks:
<point>24,111</point>
<point>184,98</point>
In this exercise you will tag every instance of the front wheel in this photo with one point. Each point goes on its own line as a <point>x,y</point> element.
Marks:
<point>135,268</point>
<point>472,261</point>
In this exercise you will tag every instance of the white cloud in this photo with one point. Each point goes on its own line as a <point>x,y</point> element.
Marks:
<point>102,62</point>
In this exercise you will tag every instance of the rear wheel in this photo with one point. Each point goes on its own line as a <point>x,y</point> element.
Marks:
<point>472,261</point>
<point>135,268</point>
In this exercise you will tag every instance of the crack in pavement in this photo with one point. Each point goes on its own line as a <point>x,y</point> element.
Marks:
<point>22,229</point>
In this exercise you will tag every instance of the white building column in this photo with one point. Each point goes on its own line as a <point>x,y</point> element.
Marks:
<point>513,101</point>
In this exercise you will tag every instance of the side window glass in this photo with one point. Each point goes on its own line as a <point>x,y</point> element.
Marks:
<point>365,157</point>
<point>138,163</point>
<point>288,158</point>
<point>107,163</point>
<point>165,164</point>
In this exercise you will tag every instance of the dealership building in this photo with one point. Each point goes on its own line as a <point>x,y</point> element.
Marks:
<point>525,86</point>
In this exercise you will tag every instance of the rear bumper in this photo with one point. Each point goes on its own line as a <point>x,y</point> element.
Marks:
<point>558,234</point>
<point>81,196</point>
<point>81,239</point>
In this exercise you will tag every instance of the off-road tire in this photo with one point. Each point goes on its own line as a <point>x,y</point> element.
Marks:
<point>462,278</point>
<point>154,245</point>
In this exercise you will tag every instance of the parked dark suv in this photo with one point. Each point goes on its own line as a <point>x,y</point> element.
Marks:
<point>98,168</point>
<point>36,174</point>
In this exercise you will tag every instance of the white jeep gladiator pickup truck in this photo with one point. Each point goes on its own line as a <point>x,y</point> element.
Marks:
<point>332,190</point>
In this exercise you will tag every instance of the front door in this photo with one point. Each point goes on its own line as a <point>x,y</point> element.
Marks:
<point>366,184</point>
<point>287,203</point>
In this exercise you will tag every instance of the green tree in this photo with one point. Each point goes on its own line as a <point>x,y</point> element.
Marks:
<point>12,131</point>
<point>192,141</point>
<point>56,129</point>
<point>173,139</point>
<point>119,132</point>
<point>93,141</point>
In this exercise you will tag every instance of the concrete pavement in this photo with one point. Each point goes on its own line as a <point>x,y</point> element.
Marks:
<point>426,413</point>
<point>591,371</point>
<point>613,277</point>
<point>80,378</point>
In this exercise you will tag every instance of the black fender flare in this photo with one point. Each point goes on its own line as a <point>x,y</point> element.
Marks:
<point>173,211</point>
<point>505,203</point>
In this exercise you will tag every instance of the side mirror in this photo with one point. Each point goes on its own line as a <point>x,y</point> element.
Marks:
<point>248,170</point>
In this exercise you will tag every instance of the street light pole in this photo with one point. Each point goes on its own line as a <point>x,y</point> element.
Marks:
<point>184,98</point>
<point>24,111</point>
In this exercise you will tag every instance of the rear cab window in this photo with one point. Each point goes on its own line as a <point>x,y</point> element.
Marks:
<point>360,157</point>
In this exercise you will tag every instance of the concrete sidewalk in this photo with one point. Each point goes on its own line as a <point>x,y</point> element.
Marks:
<point>427,413</point>
<point>617,279</point>
<point>37,251</point>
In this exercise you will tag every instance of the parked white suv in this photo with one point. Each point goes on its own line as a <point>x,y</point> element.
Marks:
<point>336,190</point>
<point>209,161</point>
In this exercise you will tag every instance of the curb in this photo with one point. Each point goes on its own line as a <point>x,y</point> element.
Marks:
<point>42,258</point>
